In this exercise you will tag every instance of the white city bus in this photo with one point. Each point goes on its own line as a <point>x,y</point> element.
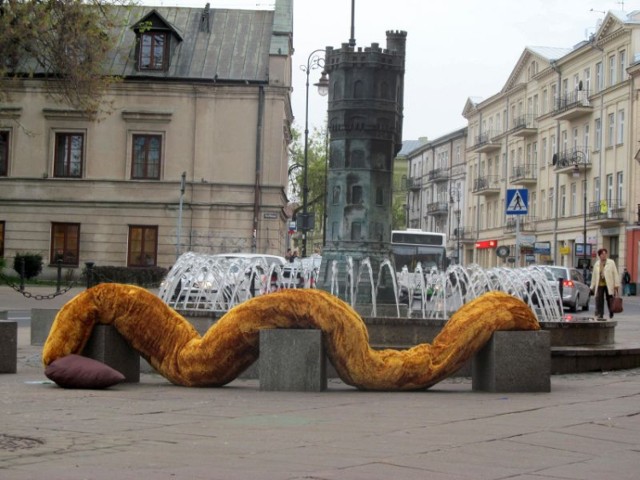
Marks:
<point>413,245</point>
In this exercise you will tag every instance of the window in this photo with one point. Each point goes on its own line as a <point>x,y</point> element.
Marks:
<point>143,246</point>
<point>68,155</point>
<point>2,239</point>
<point>533,205</point>
<point>65,243</point>
<point>585,139</point>
<point>598,140</point>
<point>599,77</point>
<point>587,80</point>
<point>146,157</point>
<point>620,138</point>
<point>4,153</point>
<point>574,199</point>
<point>611,124</point>
<point>619,180</point>
<point>622,61</point>
<point>356,195</point>
<point>550,212</point>
<point>612,70</point>
<point>153,51</point>
<point>563,201</point>
<point>609,188</point>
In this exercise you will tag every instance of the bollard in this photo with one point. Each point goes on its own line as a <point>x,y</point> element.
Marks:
<point>22,273</point>
<point>59,279</point>
<point>89,266</point>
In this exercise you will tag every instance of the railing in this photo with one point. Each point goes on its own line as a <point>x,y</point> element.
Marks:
<point>490,182</point>
<point>438,174</point>
<point>524,121</point>
<point>485,138</point>
<point>463,233</point>
<point>414,183</point>
<point>437,208</point>
<point>527,224</point>
<point>578,98</point>
<point>572,157</point>
<point>609,209</point>
<point>524,172</point>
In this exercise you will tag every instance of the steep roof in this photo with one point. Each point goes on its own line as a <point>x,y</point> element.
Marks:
<point>209,44</point>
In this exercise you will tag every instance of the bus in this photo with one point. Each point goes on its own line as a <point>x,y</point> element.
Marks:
<point>413,245</point>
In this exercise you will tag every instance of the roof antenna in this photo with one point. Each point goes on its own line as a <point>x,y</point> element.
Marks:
<point>352,40</point>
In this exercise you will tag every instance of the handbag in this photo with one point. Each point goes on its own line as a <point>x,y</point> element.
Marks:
<point>615,305</point>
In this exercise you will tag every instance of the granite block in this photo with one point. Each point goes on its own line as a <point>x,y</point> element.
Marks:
<point>109,347</point>
<point>8,346</point>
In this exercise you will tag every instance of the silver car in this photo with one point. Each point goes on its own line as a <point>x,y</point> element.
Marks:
<point>575,292</point>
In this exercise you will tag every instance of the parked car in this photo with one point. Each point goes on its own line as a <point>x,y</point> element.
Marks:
<point>301,273</point>
<point>575,292</point>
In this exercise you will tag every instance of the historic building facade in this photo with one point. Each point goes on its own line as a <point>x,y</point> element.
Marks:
<point>565,128</point>
<point>437,192</point>
<point>192,156</point>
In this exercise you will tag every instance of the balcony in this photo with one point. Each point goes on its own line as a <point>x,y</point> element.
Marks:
<point>566,162</point>
<point>527,224</point>
<point>438,209</point>
<point>414,183</point>
<point>524,126</point>
<point>489,185</point>
<point>572,105</point>
<point>438,175</point>
<point>485,142</point>
<point>526,174</point>
<point>606,212</point>
<point>464,234</point>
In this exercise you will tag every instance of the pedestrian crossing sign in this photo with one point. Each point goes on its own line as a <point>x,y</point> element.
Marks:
<point>517,201</point>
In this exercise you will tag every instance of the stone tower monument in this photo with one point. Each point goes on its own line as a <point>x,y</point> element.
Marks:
<point>365,122</point>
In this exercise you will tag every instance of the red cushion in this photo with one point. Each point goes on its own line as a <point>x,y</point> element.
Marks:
<point>76,371</point>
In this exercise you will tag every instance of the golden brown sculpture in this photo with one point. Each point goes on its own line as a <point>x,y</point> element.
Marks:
<point>174,348</point>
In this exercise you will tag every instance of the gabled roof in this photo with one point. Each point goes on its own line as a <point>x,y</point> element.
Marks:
<point>545,55</point>
<point>470,106</point>
<point>157,21</point>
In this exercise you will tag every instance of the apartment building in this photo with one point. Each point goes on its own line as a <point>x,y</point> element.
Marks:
<point>565,128</point>
<point>193,155</point>
<point>437,193</point>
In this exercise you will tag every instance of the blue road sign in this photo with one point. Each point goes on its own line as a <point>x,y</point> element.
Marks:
<point>517,201</point>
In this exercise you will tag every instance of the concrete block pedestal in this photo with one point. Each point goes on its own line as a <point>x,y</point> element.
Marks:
<point>518,361</point>
<point>292,361</point>
<point>8,346</point>
<point>109,347</point>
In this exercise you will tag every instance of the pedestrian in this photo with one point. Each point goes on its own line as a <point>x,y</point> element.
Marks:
<point>605,282</point>
<point>626,283</point>
<point>287,256</point>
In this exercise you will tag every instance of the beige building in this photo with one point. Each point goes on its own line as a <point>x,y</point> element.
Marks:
<point>565,128</point>
<point>205,97</point>
<point>437,191</point>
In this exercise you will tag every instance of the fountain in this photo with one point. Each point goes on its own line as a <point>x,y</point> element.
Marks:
<point>203,287</point>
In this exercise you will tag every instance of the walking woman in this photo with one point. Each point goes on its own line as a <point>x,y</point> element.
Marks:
<point>605,282</point>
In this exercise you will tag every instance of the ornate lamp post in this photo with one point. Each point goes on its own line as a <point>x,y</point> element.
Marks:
<point>314,61</point>
<point>581,158</point>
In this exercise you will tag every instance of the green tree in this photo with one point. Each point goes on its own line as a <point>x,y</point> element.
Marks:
<point>316,179</point>
<point>64,42</point>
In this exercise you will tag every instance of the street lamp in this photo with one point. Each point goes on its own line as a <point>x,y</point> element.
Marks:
<point>454,196</point>
<point>314,61</point>
<point>581,158</point>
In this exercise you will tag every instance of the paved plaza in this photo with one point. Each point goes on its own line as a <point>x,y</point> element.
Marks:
<point>588,427</point>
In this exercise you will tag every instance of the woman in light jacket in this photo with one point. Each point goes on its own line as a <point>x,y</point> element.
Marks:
<point>605,282</point>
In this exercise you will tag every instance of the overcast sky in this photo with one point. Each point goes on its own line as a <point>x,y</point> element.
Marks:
<point>455,50</point>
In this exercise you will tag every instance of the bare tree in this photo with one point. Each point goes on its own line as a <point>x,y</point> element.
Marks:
<point>65,43</point>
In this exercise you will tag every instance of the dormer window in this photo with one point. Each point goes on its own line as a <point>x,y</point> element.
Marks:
<point>155,40</point>
<point>153,51</point>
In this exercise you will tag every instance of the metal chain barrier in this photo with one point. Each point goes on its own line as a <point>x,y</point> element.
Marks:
<point>20,290</point>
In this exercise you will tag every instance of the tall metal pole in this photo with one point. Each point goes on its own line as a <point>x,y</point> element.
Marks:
<point>179,229</point>
<point>313,62</point>
<point>584,226</point>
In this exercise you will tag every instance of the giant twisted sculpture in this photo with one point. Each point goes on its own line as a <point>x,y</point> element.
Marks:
<point>174,348</point>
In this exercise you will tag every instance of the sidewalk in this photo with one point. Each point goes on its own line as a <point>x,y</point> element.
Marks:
<point>588,427</point>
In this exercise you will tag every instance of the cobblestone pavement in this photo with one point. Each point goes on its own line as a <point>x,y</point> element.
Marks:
<point>587,427</point>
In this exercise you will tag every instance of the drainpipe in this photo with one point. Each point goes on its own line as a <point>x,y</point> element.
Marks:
<point>555,193</point>
<point>256,190</point>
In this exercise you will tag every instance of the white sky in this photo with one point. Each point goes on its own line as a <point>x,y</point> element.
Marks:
<point>455,50</point>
